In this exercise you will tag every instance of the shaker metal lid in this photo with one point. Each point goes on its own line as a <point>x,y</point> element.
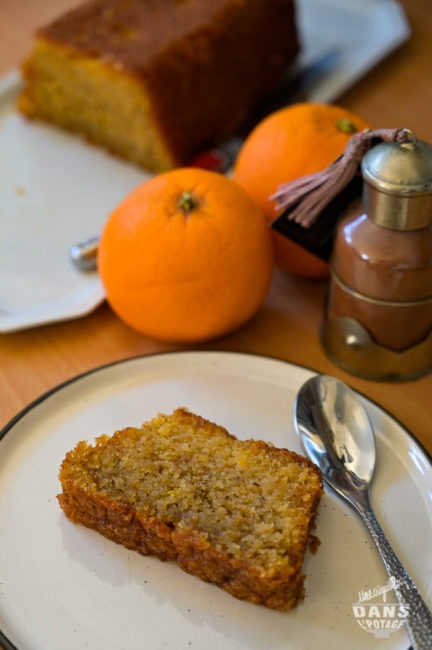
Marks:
<point>404,169</point>
<point>399,172</point>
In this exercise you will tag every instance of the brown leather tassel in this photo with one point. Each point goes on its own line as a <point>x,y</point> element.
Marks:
<point>304,199</point>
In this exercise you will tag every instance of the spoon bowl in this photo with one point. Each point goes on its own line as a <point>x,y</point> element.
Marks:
<point>337,435</point>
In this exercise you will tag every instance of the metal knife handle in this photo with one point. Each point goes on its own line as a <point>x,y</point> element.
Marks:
<point>84,254</point>
<point>419,618</point>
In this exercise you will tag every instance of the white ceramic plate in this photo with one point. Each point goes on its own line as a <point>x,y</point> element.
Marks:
<point>359,33</point>
<point>55,190</point>
<point>64,586</point>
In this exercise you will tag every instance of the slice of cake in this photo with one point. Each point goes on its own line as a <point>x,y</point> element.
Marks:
<point>231,512</point>
<point>154,81</point>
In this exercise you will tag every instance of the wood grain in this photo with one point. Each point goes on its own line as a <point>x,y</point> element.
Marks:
<point>398,92</point>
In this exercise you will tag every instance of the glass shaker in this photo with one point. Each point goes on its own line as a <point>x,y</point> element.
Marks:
<point>378,313</point>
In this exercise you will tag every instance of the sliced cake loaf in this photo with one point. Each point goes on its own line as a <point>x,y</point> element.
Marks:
<point>154,81</point>
<point>235,513</point>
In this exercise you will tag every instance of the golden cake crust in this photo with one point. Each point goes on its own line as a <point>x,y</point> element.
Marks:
<point>252,559</point>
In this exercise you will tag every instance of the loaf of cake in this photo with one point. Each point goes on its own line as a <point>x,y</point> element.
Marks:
<point>155,81</point>
<point>231,512</point>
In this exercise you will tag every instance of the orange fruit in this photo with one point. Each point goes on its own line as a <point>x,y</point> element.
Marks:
<point>186,256</point>
<point>293,142</point>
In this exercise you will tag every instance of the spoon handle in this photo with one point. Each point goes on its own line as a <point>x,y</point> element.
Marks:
<point>419,618</point>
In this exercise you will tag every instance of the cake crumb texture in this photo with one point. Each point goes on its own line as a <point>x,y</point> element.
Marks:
<point>155,81</point>
<point>232,512</point>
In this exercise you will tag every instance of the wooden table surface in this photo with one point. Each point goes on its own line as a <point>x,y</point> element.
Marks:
<point>398,92</point>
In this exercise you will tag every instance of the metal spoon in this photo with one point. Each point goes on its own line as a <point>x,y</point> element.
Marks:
<point>337,435</point>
